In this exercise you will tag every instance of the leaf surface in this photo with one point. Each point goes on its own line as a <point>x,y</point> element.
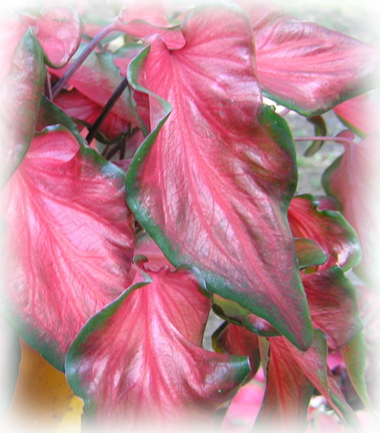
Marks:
<point>70,239</point>
<point>97,78</point>
<point>354,180</point>
<point>354,355</point>
<point>307,67</point>
<point>214,189</point>
<point>309,253</point>
<point>333,306</point>
<point>314,366</point>
<point>359,114</point>
<point>78,106</point>
<point>19,103</point>
<point>327,228</point>
<point>236,340</point>
<point>287,394</point>
<point>142,19</point>
<point>59,32</point>
<point>157,374</point>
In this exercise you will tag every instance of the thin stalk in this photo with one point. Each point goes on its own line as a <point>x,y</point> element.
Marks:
<point>319,138</point>
<point>78,62</point>
<point>111,151</point>
<point>107,108</point>
<point>47,87</point>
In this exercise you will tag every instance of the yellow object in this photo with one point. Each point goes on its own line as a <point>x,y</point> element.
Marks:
<point>70,422</point>
<point>43,401</point>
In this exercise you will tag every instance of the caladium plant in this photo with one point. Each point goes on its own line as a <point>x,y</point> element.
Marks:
<point>145,183</point>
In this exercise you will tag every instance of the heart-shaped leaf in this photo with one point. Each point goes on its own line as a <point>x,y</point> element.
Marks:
<point>214,189</point>
<point>69,241</point>
<point>359,114</point>
<point>354,180</point>
<point>139,362</point>
<point>19,103</point>
<point>306,67</point>
<point>59,32</point>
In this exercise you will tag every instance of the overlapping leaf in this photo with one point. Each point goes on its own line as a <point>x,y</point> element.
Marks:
<point>58,30</point>
<point>290,378</point>
<point>354,355</point>
<point>328,229</point>
<point>359,114</point>
<point>157,375</point>
<point>10,356</point>
<point>141,19</point>
<point>78,106</point>
<point>307,67</point>
<point>70,240</point>
<point>214,189</point>
<point>20,99</point>
<point>353,179</point>
<point>287,394</point>
<point>333,306</point>
<point>97,78</point>
<point>229,338</point>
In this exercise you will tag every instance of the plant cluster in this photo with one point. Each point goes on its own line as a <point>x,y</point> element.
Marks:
<point>145,183</point>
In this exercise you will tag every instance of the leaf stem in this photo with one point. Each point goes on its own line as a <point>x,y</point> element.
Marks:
<point>107,108</point>
<point>87,51</point>
<point>319,138</point>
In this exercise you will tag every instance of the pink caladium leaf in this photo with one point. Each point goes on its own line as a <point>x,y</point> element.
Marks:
<point>19,103</point>
<point>354,180</point>
<point>50,114</point>
<point>306,67</point>
<point>97,78</point>
<point>141,19</point>
<point>214,190</point>
<point>157,375</point>
<point>327,228</point>
<point>10,357</point>
<point>59,32</point>
<point>234,339</point>
<point>69,241</point>
<point>83,109</point>
<point>313,364</point>
<point>287,394</point>
<point>333,306</point>
<point>359,114</point>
